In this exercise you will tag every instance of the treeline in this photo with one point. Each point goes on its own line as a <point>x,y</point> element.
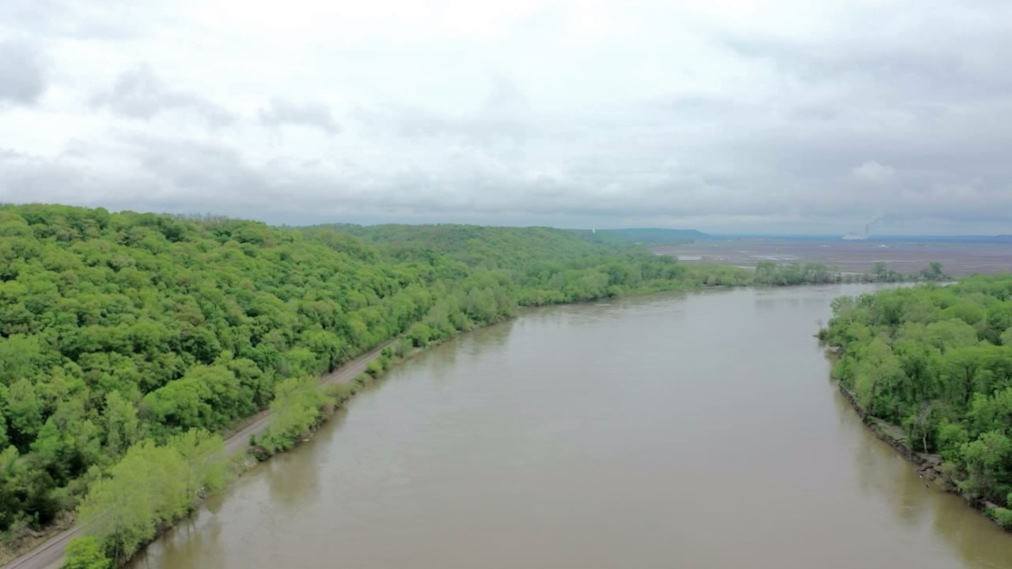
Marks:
<point>938,361</point>
<point>794,273</point>
<point>127,331</point>
<point>152,486</point>
<point>549,266</point>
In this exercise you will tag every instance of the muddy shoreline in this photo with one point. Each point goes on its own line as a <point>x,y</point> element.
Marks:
<point>928,465</point>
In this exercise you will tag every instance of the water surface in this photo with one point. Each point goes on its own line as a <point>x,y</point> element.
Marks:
<point>674,431</point>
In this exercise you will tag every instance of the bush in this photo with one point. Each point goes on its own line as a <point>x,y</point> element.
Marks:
<point>402,347</point>
<point>1001,515</point>
<point>419,334</point>
<point>85,552</point>
<point>296,409</point>
<point>341,392</point>
<point>153,485</point>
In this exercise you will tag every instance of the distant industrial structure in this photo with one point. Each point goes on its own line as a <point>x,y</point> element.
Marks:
<point>865,234</point>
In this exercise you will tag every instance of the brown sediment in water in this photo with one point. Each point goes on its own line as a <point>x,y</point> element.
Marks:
<point>929,465</point>
<point>598,436</point>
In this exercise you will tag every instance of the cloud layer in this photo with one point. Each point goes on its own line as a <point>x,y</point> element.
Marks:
<point>730,115</point>
<point>21,75</point>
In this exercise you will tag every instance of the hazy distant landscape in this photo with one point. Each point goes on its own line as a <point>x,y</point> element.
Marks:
<point>959,256</point>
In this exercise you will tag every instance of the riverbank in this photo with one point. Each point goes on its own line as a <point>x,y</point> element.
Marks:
<point>510,445</point>
<point>930,467</point>
<point>239,439</point>
<point>47,550</point>
<point>936,360</point>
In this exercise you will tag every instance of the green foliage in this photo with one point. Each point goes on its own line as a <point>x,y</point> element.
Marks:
<point>933,359</point>
<point>374,368</point>
<point>771,273</point>
<point>1001,515</point>
<point>152,485</point>
<point>4,441</point>
<point>24,412</point>
<point>340,392</point>
<point>85,552</point>
<point>933,272</point>
<point>123,329</point>
<point>297,407</point>
<point>786,274</point>
<point>122,428</point>
<point>23,488</point>
<point>987,462</point>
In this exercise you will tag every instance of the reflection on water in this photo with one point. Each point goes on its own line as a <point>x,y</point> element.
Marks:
<point>696,431</point>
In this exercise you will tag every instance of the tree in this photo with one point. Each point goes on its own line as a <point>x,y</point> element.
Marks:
<point>4,441</point>
<point>205,459</point>
<point>295,409</point>
<point>85,552</point>
<point>988,461</point>
<point>879,270</point>
<point>933,272</point>
<point>952,387</point>
<point>68,443</point>
<point>326,346</point>
<point>879,374</point>
<point>146,488</point>
<point>951,333</point>
<point>121,328</point>
<point>24,413</point>
<point>122,427</point>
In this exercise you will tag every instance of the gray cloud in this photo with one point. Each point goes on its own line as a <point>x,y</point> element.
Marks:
<point>139,93</point>
<point>504,114</point>
<point>309,114</point>
<point>945,54</point>
<point>187,176</point>
<point>874,173</point>
<point>21,73</point>
<point>672,114</point>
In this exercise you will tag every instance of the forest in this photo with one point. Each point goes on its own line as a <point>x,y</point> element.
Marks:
<point>937,360</point>
<point>129,341</point>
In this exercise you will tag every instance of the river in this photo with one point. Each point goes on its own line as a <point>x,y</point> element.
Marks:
<point>670,431</point>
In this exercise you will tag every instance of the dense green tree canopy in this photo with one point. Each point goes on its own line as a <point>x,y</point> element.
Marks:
<point>938,361</point>
<point>127,330</point>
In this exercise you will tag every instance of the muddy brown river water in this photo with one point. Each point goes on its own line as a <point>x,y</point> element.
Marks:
<point>672,431</point>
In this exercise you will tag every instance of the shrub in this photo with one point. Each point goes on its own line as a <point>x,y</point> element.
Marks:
<point>1001,515</point>
<point>341,392</point>
<point>295,410</point>
<point>374,368</point>
<point>85,552</point>
<point>402,347</point>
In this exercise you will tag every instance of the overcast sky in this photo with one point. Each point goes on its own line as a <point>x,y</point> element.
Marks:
<point>723,115</point>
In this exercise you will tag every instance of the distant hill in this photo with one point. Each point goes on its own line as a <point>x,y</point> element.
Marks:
<point>874,238</point>
<point>945,238</point>
<point>652,235</point>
